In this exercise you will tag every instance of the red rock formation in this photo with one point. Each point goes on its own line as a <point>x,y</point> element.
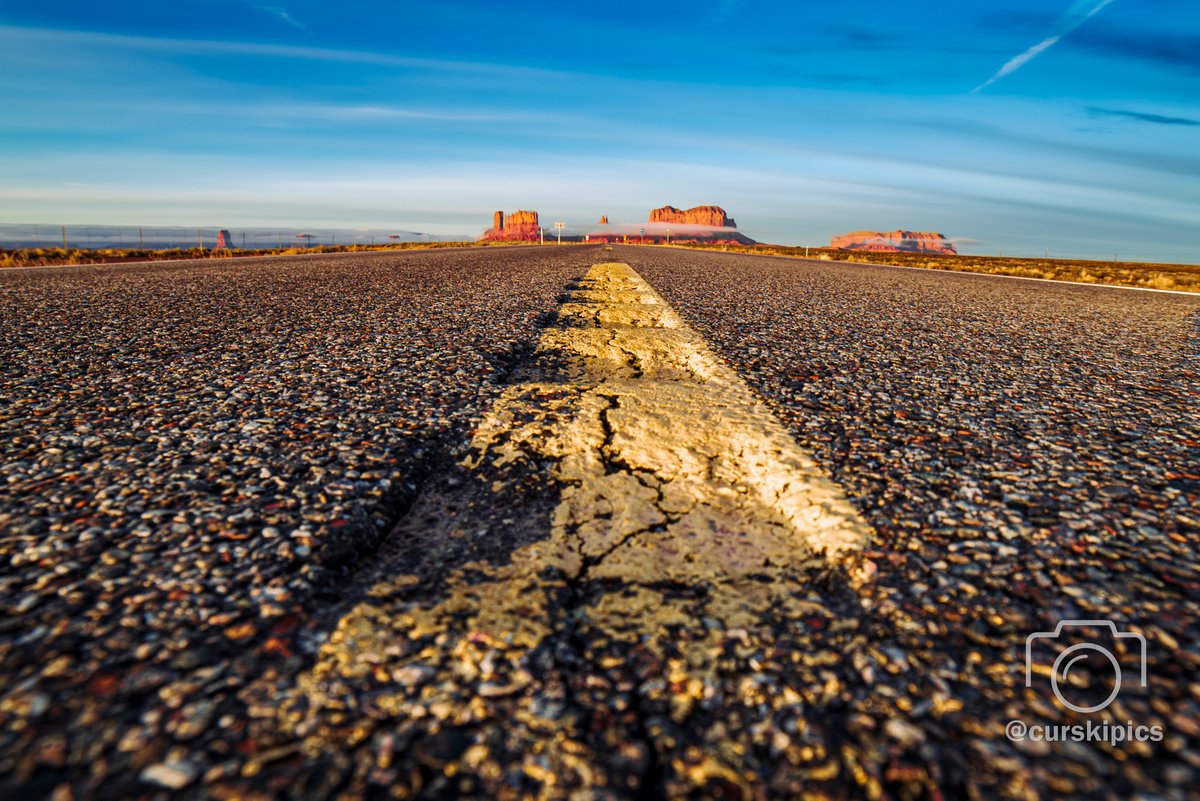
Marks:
<point>520,226</point>
<point>707,224</point>
<point>894,242</point>
<point>699,215</point>
<point>521,218</point>
<point>603,219</point>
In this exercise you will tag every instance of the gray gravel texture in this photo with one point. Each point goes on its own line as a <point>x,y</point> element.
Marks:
<point>1028,453</point>
<point>193,457</point>
<point>199,462</point>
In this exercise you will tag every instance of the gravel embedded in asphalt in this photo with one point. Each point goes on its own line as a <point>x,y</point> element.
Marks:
<point>193,454</point>
<point>1027,452</point>
<point>200,461</point>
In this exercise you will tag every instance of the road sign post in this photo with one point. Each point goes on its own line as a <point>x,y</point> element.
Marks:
<point>558,228</point>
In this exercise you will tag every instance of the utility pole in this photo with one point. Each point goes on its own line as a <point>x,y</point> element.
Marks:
<point>558,227</point>
<point>542,234</point>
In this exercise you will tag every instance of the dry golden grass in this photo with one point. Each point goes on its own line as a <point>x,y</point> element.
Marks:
<point>1181,277</point>
<point>46,257</point>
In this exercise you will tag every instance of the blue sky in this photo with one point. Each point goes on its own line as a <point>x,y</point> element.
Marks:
<point>803,120</point>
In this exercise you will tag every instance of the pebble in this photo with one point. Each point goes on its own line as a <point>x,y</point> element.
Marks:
<point>172,775</point>
<point>904,733</point>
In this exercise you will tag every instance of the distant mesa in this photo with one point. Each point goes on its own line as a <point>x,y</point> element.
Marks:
<point>520,226</point>
<point>714,216</point>
<point>707,224</point>
<point>894,242</point>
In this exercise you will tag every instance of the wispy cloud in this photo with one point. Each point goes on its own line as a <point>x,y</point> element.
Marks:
<point>1079,12</point>
<point>351,113</point>
<point>124,42</point>
<point>282,13</point>
<point>286,114</point>
<point>1020,61</point>
<point>1096,111</point>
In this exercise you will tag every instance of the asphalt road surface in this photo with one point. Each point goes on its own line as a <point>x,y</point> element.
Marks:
<point>492,523</point>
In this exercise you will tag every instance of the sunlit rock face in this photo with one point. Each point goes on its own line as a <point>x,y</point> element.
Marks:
<point>894,242</point>
<point>520,226</point>
<point>699,215</point>
<point>701,224</point>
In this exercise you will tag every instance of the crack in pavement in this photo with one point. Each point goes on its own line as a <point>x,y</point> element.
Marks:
<point>675,483</point>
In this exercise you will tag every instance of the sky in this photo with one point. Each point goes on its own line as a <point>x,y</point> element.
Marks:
<point>1025,127</point>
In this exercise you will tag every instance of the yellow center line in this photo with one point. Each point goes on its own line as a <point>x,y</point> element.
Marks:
<point>664,439</point>
<point>683,505</point>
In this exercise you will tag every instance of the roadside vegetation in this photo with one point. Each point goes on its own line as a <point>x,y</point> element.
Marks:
<point>45,257</point>
<point>1183,277</point>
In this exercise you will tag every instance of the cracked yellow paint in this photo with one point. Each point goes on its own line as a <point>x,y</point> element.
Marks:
<point>671,467</point>
<point>684,505</point>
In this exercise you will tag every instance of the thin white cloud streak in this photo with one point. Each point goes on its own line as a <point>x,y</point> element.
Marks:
<point>1019,61</point>
<point>1079,12</point>
<point>276,115</point>
<point>340,113</point>
<point>122,42</point>
<point>286,114</point>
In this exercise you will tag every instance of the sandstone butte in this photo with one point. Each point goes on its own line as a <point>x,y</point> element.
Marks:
<point>707,224</point>
<point>699,215</point>
<point>894,242</point>
<point>520,226</point>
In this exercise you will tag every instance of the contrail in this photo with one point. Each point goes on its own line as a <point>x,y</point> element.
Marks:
<point>1079,12</point>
